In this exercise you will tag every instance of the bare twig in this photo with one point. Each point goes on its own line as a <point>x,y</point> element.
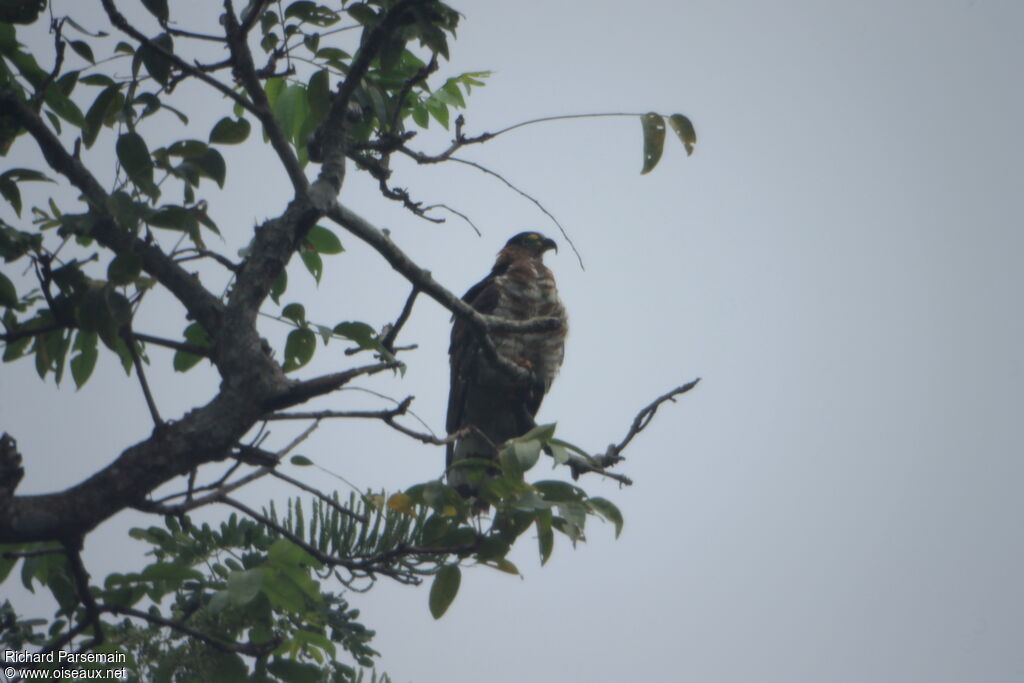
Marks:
<point>137,361</point>
<point>386,416</point>
<point>194,254</point>
<point>644,417</point>
<point>58,45</point>
<point>82,590</point>
<point>388,342</point>
<point>457,213</point>
<point>184,347</point>
<point>561,229</point>
<point>221,488</point>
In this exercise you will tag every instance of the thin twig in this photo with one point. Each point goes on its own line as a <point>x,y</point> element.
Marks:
<point>388,342</point>
<point>184,347</point>
<point>561,229</point>
<point>224,488</point>
<point>457,213</point>
<point>644,417</point>
<point>137,361</point>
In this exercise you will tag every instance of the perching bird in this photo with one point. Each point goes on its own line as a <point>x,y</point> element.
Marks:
<point>484,400</point>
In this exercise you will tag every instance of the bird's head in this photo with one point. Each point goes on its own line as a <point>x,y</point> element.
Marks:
<point>532,242</point>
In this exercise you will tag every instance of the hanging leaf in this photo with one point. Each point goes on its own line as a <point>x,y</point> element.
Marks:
<point>133,154</point>
<point>97,114</point>
<point>230,131</point>
<point>299,348</point>
<point>158,8</point>
<point>607,509</point>
<point>83,50</point>
<point>654,140</point>
<point>157,63</point>
<point>324,240</point>
<point>124,268</point>
<point>314,264</point>
<point>684,129</point>
<point>83,364</point>
<point>8,294</point>
<point>444,589</point>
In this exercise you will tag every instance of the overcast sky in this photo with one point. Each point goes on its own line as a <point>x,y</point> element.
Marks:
<point>840,261</point>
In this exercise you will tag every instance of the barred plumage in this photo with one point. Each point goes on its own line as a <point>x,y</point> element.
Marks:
<point>482,397</point>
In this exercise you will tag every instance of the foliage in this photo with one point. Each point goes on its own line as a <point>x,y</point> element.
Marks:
<point>256,598</point>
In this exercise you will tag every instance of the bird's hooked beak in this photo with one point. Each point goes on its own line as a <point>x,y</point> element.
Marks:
<point>548,243</point>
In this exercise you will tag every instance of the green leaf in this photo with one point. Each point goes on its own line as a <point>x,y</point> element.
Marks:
<point>545,536</point>
<point>244,586</point>
<point>684,129</point>
<point>295,313</point>
<point>541,432</point>
<point>62,106</point>
<point>279,286</point>
<point>97,113</point>
<point>559,453</point>
<point>133,154</point>
<point>170,571</point>
<point>318,94</point>
<point>607,509</point>
<point>526,452</point>
<point>8,294</point>
<point>299,348</point>
<point>364,335</point>
<point>230,131</point>
<point>555,491</point>
<point>158,8</point>
<point>83,49</point>
<point>124,268</point>
<point>324,240</point>
<point>444,589</point>
<point>295,672</point>
<point>188,149</point>
<point>314,264</point>
<point>9,189</point>
<point>654,140</point>
<point>156,62</point>
<point>194,334</point>
<point>84,363</point>
<point>301,461</point>
<point>291,110</point>
<point>211,164</point>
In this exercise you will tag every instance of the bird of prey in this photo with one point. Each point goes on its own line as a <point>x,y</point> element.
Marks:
<point>484,401</point>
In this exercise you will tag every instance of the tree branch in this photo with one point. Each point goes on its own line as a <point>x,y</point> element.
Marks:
<point>245,71</point>
<point>325,384</point>
<point>201,305</point>
<point>118,20</point>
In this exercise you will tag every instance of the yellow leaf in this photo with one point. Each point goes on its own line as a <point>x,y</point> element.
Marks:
<point>401,502</point>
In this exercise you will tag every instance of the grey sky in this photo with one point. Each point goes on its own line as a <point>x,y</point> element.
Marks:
<point>840,260</point>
